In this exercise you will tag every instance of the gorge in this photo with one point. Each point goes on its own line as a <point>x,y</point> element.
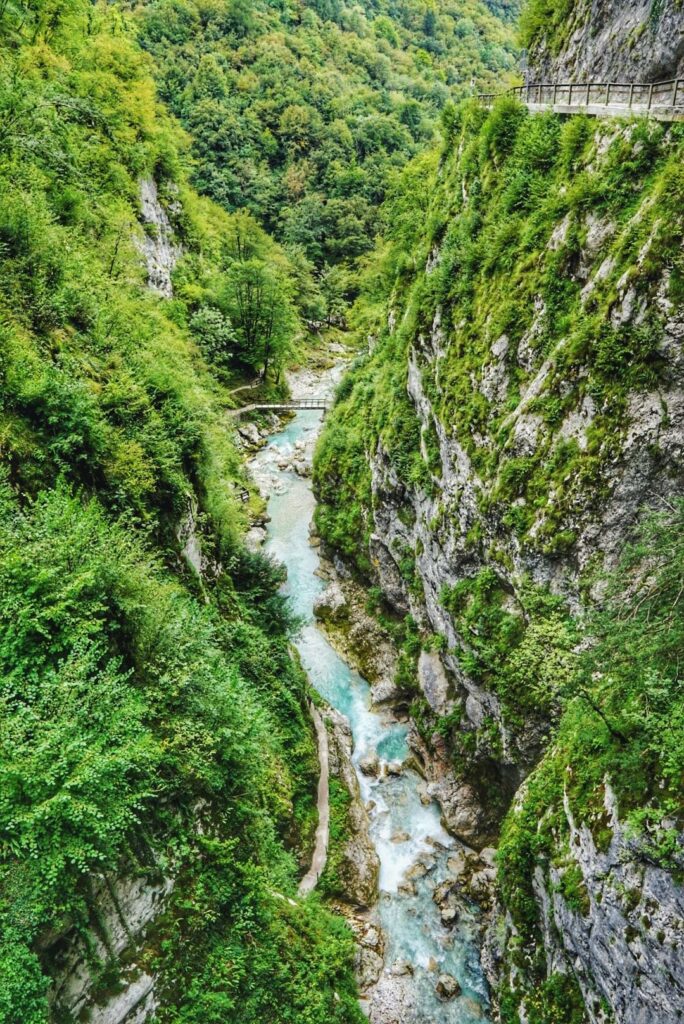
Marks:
<point>341,508</point>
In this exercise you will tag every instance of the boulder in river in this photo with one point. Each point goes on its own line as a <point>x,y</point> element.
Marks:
<point>449,916</point>
<point>394,768</point>
<point>400,837</point>
<point>370,764</point>
<point>417,870</point>
<point>401,967</point>
<point>447,987</point>
<point>249,432</point>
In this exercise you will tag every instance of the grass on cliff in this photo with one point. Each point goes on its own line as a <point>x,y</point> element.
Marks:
<point>622,724</point>
<point>497,250</point>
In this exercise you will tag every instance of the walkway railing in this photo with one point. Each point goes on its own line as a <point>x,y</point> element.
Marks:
<point>661,100</point>
<point>290,403</point>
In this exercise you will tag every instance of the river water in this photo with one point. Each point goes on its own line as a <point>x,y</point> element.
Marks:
<point>405,831</point>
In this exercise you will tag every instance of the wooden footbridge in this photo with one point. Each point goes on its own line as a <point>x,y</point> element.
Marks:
<point>289,404</point>
<point>663,101</point>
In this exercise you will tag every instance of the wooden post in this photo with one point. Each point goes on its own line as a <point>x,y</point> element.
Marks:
<point>555,91</point>
<point>608,94</point>
<point>650,96</point>
<point>570,96</point>
<point>631,94</point>
<point>676,90</point>
<point>588,88</point>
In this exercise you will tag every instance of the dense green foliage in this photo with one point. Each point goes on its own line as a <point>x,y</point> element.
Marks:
<point>303,112</point>
<point>509,211</point>
<point>152,723</point>
<point>546,21</point>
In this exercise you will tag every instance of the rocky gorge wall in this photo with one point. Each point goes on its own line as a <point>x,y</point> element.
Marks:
<point>541,351</point>
<point>610,41</point>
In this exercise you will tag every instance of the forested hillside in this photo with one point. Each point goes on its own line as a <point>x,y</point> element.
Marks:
<point>197,196</point>
<point>158,764</point>
<point>302,113</point>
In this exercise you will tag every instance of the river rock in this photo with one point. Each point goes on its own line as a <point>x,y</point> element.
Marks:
<point>249,432</point>
<point>400,837</point>
<point>370,765</point>
<point>371,937</point>
<point>447,987</point>
<point>442,892</point>
<point>423,795</point>
<point>407,888</point>
<point>393,1000</point>
<point>394,768</point>
<point>400,967</point>
<point>331,604</point>
<point>481,886</point>
<point>449,916</point>
<point>417,870</point>
<point>368,965</point>
<point>254,538</point>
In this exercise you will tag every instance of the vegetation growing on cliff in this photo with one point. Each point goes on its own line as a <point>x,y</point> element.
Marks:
<point>513,327</point>
<point>517,208</point>
<point>622,726</point>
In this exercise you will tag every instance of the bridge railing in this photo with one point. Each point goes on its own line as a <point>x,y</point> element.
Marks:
<point>641,96</point>
<point>306,403</point>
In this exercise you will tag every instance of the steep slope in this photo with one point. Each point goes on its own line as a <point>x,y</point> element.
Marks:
<point>520,403</point>
<point>157,763</point>
<point>602,40</point>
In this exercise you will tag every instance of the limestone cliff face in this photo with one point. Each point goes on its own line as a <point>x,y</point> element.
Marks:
<point>646,466</point>
<point>612,41</point>
<point>625,945</point>
<point>157,244</point>
<point>124,910</point>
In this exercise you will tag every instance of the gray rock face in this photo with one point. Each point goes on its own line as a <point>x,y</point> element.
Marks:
<point>331,604</point>
<point>188,538</point>
<point>628,949</point>
<point>435,527</point>
<point>433,681</point>
<point>357,635</point>
<point>360,865</point>
<point>617,952</point>
<point>447,986</point>
<point>613,41</point>
<point>124,908</point>
<point>157,244</point>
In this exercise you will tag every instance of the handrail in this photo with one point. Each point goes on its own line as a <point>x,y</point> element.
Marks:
<point>606,99</point>
<point>287,404</point>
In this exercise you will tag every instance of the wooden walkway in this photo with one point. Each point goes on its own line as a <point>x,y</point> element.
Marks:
<point>294,404</point>
<point>663,101</point>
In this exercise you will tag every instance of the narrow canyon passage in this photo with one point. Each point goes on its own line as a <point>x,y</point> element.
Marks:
<point>411,843</point>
